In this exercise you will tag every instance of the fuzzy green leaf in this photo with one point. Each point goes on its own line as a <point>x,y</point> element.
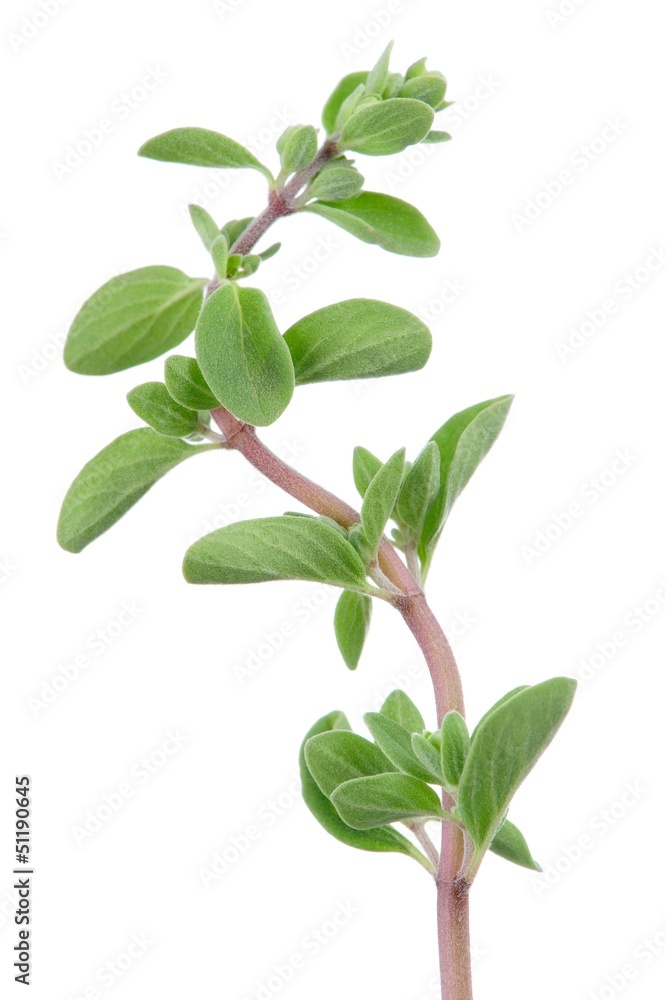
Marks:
<point>387,127</point>
<point>503,751</point>
<point>336,182</point>
<point>436,137</point>
<point>219,251</point>
<point>383,220</point>
<point>357,338</point>
<point>399,707</point>
<point>297,147</point>
<point>204,224</point>
<point>114,480</point>
<point>429,87</point>
<point>200,147</point>
<point>153,403</point>
<point>242,355</point>
<point>133,318</point>
<point>275,548</point>
<point>365,467</point>
<point>366,803</point>
<point>352,617</point>
<point>381,839</point>
<point>420,487</point>
<point>346,86</point>
<point>454,747</point>
<point>338,756</point>
<point>504,698</point>
<point>378,76</point>
<point>463,441</point>
<point>427,754</point>
<point>186,383</point>
<point>395,741</point>
<point>509,843</point>
<point>380,497</point>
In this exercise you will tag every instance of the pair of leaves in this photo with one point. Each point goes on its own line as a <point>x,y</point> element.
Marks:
<point>114,480</point>
<point>133,318</point>
<point>381,219</point>
<point>201,147</point>
<point>386,127</point>
<point>381,839</point>
<point>153,403</point>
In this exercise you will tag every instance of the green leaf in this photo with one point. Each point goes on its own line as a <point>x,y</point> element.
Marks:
<point>234,228</point>
<point>335,182</point>
<point>352,617</point>
<point>133,318</point>
<point>204,224</point>
<point>416,69</point>
<point>395,741</point>
<point>219,252</point>
<point>503,751</point>
<point>434,136</point>
<point>381,839</point>
<point>420,487</point>
<point>365,803</point>
<point>153,403</point>
<point>454,747</point>
<point>200,147</point>
<point>514,691</point>
<point>275,548</point>
<point>242,355</point>
<point>114,480</point>
<point>394,84</point>
<point>378,76</point>
<point>427,755</point>
<point>338,756</point>
<point>388,222</point>
<point>186,383</point>
<point>399,707</point>
<point>357,338</point>
<point>380,497</point>
<point>344,89</point>
<point>429,87</point>
<point>365,467</point>
<point>297,147</point>
<point>270,252</point>
<point>509,843</point>
<point>463,441</point>
<point>387,127</point>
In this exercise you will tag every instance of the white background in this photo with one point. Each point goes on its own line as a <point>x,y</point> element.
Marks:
<point>534,95</point>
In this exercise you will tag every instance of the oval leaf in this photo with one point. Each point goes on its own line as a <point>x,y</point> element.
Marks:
<point>387,127</point>
<point>153,403</point>
<point>427,754</point>
<point>454,747</point>
<point>114,480</point>
<point>509,843</point>
<point>420,487</point>
<point>399,707</point>
<point>133,318</point>
<point>352,617</point>
<point>463,441</point>
<point>275,548</point>
<point>381,219</point>
<point>357,338</point>
<point>395,741</point>
<point>200,147</point>
<point>365,467</point>
<point>504,749</point>
<point>381,839</point>
<point>346,86</point>
<point>242,355</point>
<point>338,756</point>
<point>186,383</point>
<point>365,803</point>
<point>380,498</point>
